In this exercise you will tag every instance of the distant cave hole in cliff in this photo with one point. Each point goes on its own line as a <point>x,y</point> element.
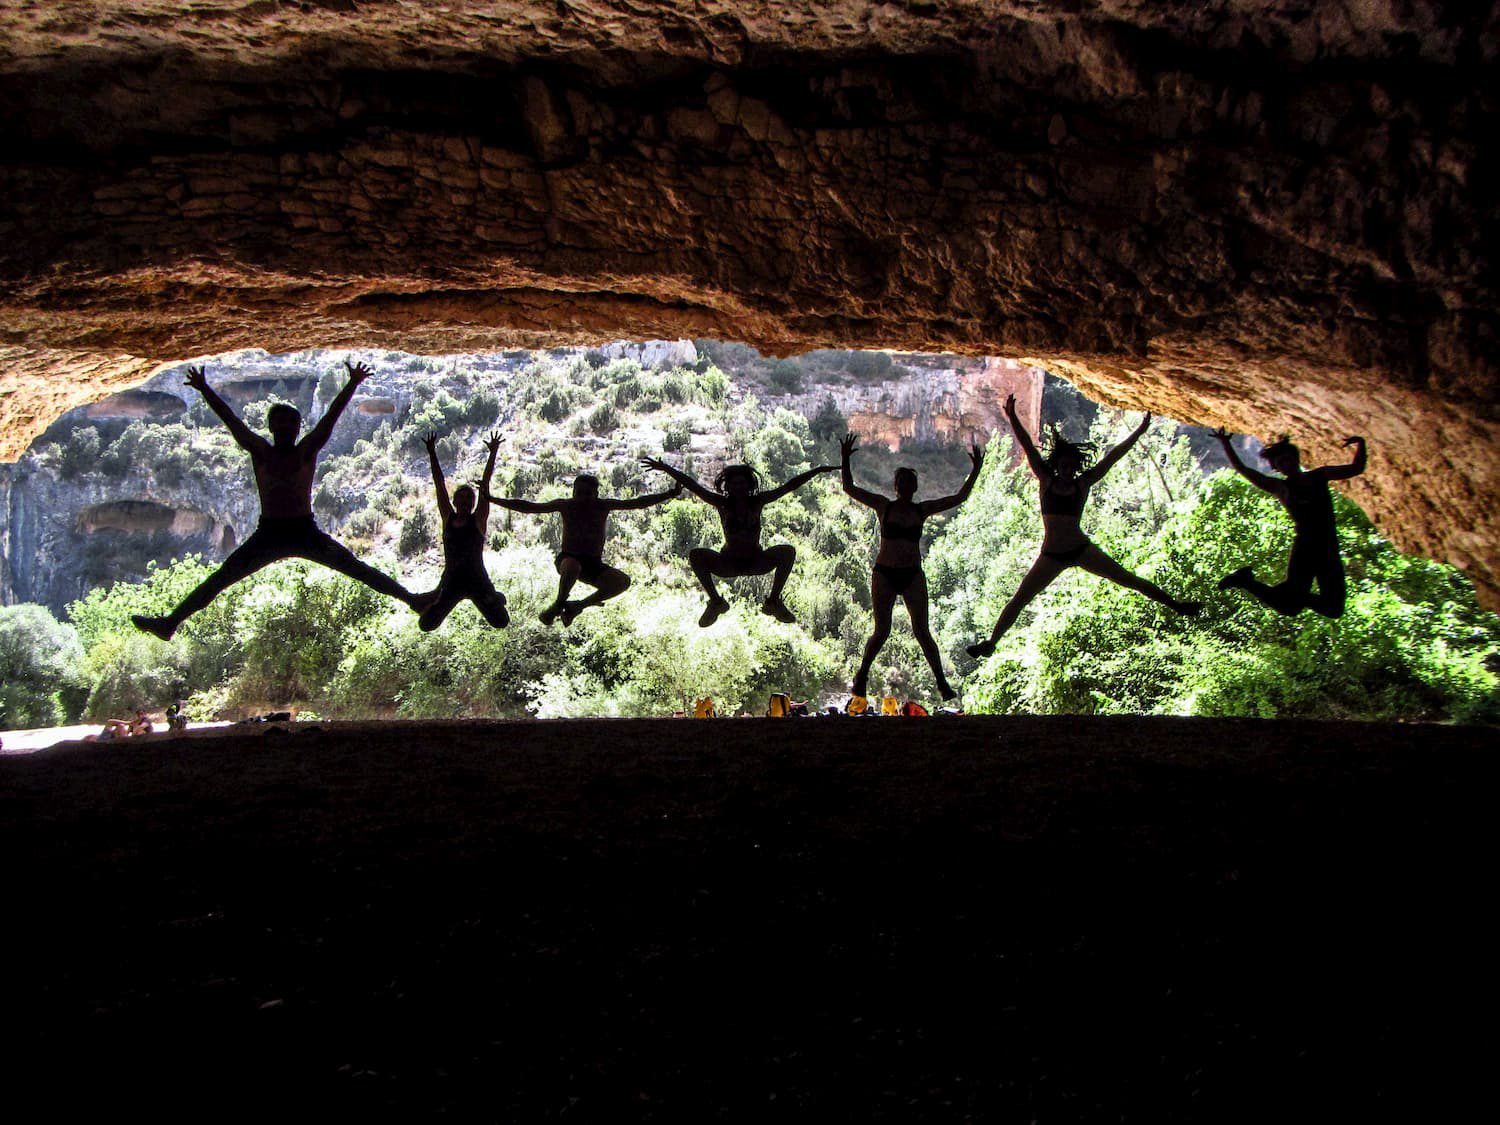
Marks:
<point>142,517</point>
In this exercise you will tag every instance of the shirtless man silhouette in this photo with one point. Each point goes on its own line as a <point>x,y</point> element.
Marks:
<point>1315,548</point>
<point>584,518</point>
<point>284,469</point>
<point>739,503</point>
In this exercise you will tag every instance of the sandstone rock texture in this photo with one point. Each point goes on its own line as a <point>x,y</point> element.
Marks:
<point>1275,215</point>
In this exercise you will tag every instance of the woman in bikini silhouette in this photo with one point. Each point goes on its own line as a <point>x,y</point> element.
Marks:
<point>1315,548</point>
<point>466,518</point>
<point>898,567</point>
<point>1065,485</point>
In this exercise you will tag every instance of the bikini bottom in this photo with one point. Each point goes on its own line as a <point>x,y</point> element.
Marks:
<point>900,577</point>
<point>1071,555</point>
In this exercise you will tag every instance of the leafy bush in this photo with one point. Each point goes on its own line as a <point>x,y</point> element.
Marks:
<point>676,436</point>
<point>713,387</point>
<point>41,678</point>
<point>828,423</point>
<point>416,533</point>
<point>603,419</point>
<point>869,366</point>
<point>79,454</point>
<point>482,409</point>
<point>785,376</point>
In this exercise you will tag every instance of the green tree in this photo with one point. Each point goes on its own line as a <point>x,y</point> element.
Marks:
<point>79,454</point>
<point>41,682</point>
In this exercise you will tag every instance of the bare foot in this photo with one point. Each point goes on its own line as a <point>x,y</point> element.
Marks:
<point>157,626</point>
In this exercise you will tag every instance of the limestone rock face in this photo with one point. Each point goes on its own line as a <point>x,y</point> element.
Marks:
<point>936,398</point>
<point>1273,216</point>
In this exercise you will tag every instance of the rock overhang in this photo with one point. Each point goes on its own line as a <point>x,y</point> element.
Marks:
<point>1272,217</point>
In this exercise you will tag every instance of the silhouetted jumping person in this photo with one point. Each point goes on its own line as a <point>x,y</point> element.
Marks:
<point>284,470</point>
<point>1315,546</point>
<point>739,502</point>
<point>466,519</point>
<point>1065,485</point>
<point>898,567</point>
<point>584,518</point>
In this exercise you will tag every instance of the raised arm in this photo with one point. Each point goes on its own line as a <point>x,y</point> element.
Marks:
<point>243,434</point>
<point>1353,468</point>
<point>445,505</point>
<point>531,507</point>
<point>1033,458</point>
<point>482,508</point>
<point>772,495</point>
<point>683,479</point>
<point>1110,459</point>
<point>644,501</point>
<point>976,457</point>
<point>847,445</point>
<point>1260,480</point>
<point>318,436</point>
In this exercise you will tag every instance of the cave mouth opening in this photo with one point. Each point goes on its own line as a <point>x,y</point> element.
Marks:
<point>700,404</point>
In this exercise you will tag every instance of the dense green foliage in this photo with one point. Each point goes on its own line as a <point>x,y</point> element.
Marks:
<point>40,681</point>
<point>1410,646</point>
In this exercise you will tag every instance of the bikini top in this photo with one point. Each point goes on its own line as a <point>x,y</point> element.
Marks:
<point>911,532</point>
<point>1056,503</point>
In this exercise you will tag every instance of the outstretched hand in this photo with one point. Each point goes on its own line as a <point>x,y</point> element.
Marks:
<point>655,463</point>
<point>1353,440</point>
<point>197,378</point>
<point>1010,406</point>
<point>1222,434</point>
<point>429,439</point>
<point>848,444</point>
<point>358,372</point>
<point>976,456</point>
<point>492,443</point>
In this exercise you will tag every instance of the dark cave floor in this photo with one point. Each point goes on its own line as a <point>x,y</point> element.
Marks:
<point>987,919</point>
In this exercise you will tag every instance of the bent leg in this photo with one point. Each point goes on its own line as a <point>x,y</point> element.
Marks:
<point>783,557</point>
<point>491,605</point>
<point>568,570</point>
<point>1292,594</point>
<point>1332,592</point>
<point>916,609</point>
<point>444,599</point>
<point>882,601</point>
<point>1097,562</point>
<point>608,583</point>
<point>1037,579</point>
<point>706,564</point>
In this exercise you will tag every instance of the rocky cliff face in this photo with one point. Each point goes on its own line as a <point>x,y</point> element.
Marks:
<point>64,537</point>
<point>1267,215</point>
<point>935,398</point>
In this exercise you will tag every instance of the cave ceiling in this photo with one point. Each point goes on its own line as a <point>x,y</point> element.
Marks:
<point>1272,216</point>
